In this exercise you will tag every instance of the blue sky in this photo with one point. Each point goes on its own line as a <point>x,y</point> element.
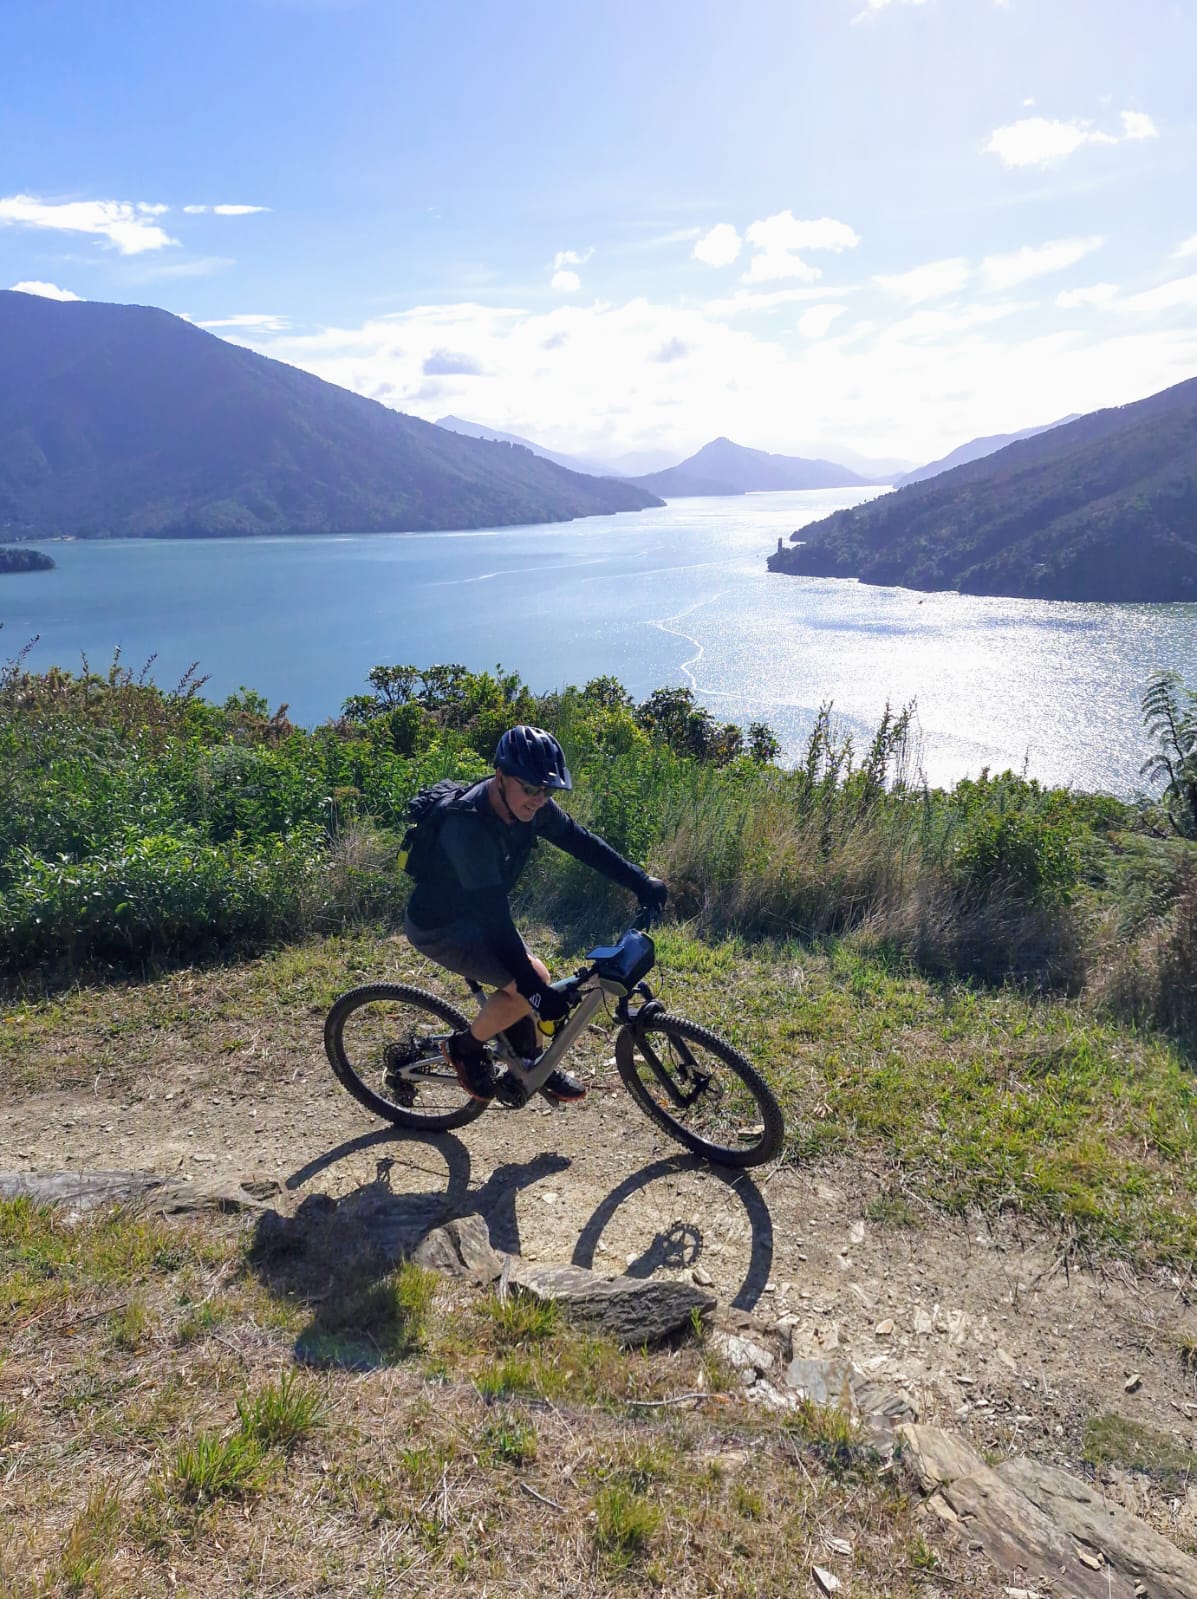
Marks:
<point>878,226</point>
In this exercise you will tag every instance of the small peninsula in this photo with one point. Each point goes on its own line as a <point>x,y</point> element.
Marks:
<point>1103,508</point>
<point>24,560</point>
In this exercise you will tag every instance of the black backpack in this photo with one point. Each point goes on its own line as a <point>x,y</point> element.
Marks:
<point>426,811</point>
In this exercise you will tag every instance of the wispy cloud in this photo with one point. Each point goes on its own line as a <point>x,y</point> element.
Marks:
<point>1187,247</point>
<point>1044,141</point>
<point>265,322</point>
<point>813,324</point>
<point>565,280</point>
<point>1180,294</point>
<point>198,266</point>
<point>128,227</point>
<point>1095,296</point>
<point>1034,260</point>
<point>225,210</point>
<point>913,385</point>
<point>719,247</point>
<point>48,291</point>
<point>928,282</point>
<point>777,240</point>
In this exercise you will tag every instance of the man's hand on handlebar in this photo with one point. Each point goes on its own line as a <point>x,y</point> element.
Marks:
<point>653,896</point>
<point>549,1006</point>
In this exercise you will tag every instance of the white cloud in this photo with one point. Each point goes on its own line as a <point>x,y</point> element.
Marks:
<point>929,282</point>
<point>747,302</point>
<point>813,324</point>
<point>1097,295</point>
<point>591,378</point>
<point>778,238</point>
<point>250,319</point>
<point>129,227</point>
<point>1138,125</point>
<point>1180,294</point>
<point>566,282</point>
<point>1033,260</point>
<point>1041,141</point>
<point>225,210</point>
<point>571,258</point>
<point>1187,247</point>
<point>48,291</point>
<point>719,247</point>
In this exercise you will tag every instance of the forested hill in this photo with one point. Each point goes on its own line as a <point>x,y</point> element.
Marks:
<point>1103,508</point>
<point>122,420</point>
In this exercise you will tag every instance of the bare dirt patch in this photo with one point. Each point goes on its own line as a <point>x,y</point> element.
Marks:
<point>993,1328</point>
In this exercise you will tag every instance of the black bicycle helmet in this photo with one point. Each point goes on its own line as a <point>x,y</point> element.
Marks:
<point>531,755</point>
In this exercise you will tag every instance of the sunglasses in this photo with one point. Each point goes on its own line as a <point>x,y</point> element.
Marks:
<point>533,790</point>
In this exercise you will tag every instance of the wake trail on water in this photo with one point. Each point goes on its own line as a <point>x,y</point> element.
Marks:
<point>663,626</point>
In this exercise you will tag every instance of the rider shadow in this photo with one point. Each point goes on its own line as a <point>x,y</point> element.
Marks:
<point>336,1256</point>
<point>681,1244</point>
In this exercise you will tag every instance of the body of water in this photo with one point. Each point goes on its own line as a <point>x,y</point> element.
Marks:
<point>676,595</point>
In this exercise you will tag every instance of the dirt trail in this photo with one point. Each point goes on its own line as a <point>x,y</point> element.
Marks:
<point>989,1331</point>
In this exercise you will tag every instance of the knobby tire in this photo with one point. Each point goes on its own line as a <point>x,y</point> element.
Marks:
<point>716,1126</point>
<point>365,1023</point>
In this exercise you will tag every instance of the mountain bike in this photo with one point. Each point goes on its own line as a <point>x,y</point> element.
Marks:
<point>384,1043</point>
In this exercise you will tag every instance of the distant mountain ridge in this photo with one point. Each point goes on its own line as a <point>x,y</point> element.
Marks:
<point>722,467</point>
<point>1103,508</point>
<point>974,450</point>
<point>614,466</point>
<point>121,420</point>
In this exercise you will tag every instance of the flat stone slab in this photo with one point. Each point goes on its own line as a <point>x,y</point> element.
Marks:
<point>1044,1528</point>
<point>1131,1547</point>
<point>78,1190</point>
<point>631,1310</point>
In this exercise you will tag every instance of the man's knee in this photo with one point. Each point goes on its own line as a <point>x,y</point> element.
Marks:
<point>539,967</point>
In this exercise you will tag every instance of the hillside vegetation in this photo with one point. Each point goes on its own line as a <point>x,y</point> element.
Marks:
<point>141,826</point>
<point>122,420</point>
<point>1103,508</point>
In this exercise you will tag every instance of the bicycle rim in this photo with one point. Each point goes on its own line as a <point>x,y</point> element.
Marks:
<point>700,1090</point>
<point>383,1042</point>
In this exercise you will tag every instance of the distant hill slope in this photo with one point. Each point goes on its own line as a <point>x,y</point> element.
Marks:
<point>616,466</point>
<point>722,467</point>
<point>479,430</point>
<point>1103,508</point>
<point>122,420</point>
<point>974,450</point>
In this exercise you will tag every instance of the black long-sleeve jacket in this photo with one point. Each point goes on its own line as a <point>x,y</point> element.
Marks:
<point>477,859</point>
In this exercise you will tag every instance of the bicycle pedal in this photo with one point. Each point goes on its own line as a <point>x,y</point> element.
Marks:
<point>510,1092</point>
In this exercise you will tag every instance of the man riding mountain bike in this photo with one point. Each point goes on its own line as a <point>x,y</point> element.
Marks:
<point>459,915</point>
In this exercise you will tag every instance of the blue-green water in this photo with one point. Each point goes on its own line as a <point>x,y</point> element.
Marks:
<point>677,595</point>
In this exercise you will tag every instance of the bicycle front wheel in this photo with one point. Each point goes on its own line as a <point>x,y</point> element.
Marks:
<point>384,1043</point>
<point>700,1090</point>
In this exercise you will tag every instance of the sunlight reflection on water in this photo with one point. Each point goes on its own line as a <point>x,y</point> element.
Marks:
<point>678,595</point>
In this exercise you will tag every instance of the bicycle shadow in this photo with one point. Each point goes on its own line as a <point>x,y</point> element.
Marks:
<point>334,1255</point>
<point>682,1243</point>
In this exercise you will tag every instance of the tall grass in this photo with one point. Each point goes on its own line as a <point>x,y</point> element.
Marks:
<point>139,826</point>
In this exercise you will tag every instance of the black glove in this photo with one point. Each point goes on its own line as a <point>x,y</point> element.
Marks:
<point>654,891</point>
<point>548,1005</point>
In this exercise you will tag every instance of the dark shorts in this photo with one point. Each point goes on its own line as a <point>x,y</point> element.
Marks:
<point>460,947</point>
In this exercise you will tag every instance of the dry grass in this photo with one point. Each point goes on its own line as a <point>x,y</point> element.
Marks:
<point>206,1464</point>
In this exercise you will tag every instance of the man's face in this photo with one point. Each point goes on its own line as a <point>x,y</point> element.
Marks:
<point>523,800</point>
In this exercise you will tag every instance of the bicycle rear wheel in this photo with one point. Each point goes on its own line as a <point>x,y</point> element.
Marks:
<point>383,1042</point>
<point>700,1090</point>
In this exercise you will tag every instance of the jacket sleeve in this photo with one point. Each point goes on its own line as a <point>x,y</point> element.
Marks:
<point>560,828</point>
